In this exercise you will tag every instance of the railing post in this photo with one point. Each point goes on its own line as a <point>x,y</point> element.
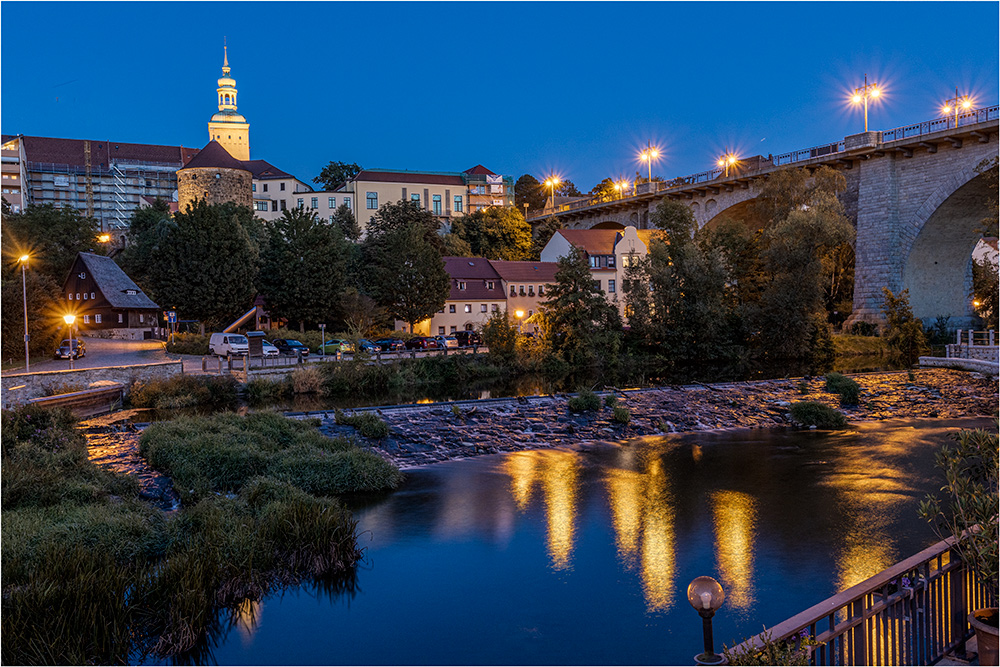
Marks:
<point>970,337</point>
<point>992,339</point>
<point>958,337</point>
<point>958,612</point>
<point>859,633</point>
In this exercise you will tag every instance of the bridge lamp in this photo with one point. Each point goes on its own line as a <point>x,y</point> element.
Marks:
<point>726,161</point>
<point>69,320</point>
<point>24,286</point>
<point>863,94</point>
<point>647,156</point>
<point>955,104</point>
<point>706,596</point>
<point>551,184</point>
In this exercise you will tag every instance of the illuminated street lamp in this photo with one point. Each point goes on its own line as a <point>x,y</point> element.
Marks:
<point>957,103</point>
<point>69,320</point>
<point>706,596</point>
<point>862,94</point>
<point>647,156</point>
<point>726,161</point>
<point>551,184</point>
<point>24,286</point>
<point>104,238</point>
<point>519,314</point>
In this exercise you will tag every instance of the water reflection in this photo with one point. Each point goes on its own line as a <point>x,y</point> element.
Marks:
<point>658,559</point>
<point>735,515</point>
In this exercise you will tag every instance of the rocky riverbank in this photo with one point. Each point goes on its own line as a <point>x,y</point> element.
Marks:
<point>421,435</point>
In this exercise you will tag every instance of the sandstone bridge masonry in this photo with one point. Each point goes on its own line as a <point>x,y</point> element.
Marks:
<point>916,194</point>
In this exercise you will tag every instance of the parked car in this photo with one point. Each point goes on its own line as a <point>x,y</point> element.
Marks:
<point>468,338</point>
<point>290,347</point>
<point>422,343</point>
<point>269,349</point>
<point>225,345</point>
<point>335,345</point>
<point>390,344</point>
<point>78,350</point>
<point>368,346</point>
<point>446,341</point>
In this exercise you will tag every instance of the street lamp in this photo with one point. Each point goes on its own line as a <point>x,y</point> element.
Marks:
<point>24,286</point>
<point>519,314</point>
<point>551,183</point>
<point>647,156</point>
<point>862,94</point>
<point>964,103</point>
<point>706,596</point>
<point>69,319</point>
<point>104,238</point>
<point>726,161</point>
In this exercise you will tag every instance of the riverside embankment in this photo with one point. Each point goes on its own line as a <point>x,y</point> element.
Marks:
<point>426,434</point>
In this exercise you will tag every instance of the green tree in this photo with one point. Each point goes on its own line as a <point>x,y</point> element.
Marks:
<point>456,246</point>
<point>52,237</point>
<point>583,327</point>
<point>904,333</point>
<point>605,189</point>
<point>336,174</point>
<point>148,227</point>
<point>498,232</point>
<point>344,218</point>
<point>528,190</point>
<point>44,312</point>
<point>567,189</point>
<point>500,335</point>
<point>986,290</point>
<point>207,263</point>
<point>404,270</point>
<point>303,267</point>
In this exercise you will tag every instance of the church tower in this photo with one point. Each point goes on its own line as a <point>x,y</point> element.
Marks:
<point>228,127</point>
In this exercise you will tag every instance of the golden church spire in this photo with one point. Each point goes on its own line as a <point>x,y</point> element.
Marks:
<point>228,126</point>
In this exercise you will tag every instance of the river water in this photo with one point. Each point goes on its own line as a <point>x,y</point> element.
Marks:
<point>583,556</point>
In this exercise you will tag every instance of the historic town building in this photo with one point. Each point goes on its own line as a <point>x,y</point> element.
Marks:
<point>106,302</point>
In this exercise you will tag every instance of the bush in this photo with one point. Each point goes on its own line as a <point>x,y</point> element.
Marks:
<point>610,400</point>
<point>863,328</point>
<point>904,334</point>
<point>188,343</point>
<point>261,390</point>
<point>307,380</point>
<point>184,390</point>
<point>811,413</point>
<point>369,424</point>
<point>585,401</point>
<point>771,652</point>
<point>849,390</point>
<point>621,415</point>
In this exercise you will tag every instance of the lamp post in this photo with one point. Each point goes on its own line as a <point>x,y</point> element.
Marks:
<point>706,596</point>
<point>964,103</point>
<point>862,94</point>
<point>551,183</point>
<point>24,287</point>
<point>519,314</point>
<point>69,319</point>
<point>726,161</point>
<point>322,347</point>
<point>648,156</point>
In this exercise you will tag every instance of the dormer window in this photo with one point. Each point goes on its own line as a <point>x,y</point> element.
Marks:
<point>490,284</point>
<point>130,292</point>
<point>461,285</point>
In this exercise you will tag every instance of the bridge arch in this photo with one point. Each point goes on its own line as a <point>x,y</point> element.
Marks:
<point>938,241</point>
<point>609,224</point>
<point>742,211</point>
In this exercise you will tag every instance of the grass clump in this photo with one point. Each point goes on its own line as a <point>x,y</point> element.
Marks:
<point>178,391</point>
<point>261,390</point>
<point>307,380</point>
<point>610,401</point>
<point>585,401</point>
<point>621,415</point>
<point>848,389</point>
<point>811,413</point>
<point>188,343</point>
<point>369,424</point>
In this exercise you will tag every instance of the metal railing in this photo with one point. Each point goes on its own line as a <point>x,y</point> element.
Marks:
<point>983,115</point>
<point>913,613</point>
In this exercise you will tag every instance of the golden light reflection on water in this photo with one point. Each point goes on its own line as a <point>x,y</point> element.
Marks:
<point>625,494</point>
<point>247,619</point>
<point>557,472</point>
<point>520,467</point>
<point>735,517</point>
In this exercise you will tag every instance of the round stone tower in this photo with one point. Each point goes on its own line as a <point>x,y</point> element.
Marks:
<point>215,176</point>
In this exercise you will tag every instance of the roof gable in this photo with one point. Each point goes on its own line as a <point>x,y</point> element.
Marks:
<point>213,155</point>
<point>526,272</point>
<point>119,290</point>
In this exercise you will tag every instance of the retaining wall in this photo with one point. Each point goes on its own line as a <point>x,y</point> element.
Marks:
<point>977,365</point>
<point>20,388</point>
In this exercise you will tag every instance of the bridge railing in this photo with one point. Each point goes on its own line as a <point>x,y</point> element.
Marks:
<point>906,132</point>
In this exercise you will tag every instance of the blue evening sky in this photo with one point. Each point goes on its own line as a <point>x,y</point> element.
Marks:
<point>571,88</point>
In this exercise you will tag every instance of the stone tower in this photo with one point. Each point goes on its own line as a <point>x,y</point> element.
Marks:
<point>215,176</point>
<point>228,127</point>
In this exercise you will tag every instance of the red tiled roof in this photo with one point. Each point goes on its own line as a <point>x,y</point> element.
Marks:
<point>409,177</point>
<point>264,170</point>
<point>102,152</point>
<point>526,272</point>
<point>213,155</point>
<point>479,170</point>
<point>990,241</point>
<point>592,241</point>
<point>174,206</point>
<point>474,272</point>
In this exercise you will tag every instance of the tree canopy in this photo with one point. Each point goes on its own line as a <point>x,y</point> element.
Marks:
<point>498,232</point>
<point>52,236</point>
<point>344,218</point>
<point>336,174</point>
<point>528,190</point>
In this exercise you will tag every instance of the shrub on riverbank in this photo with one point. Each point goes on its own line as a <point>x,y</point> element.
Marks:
<point>811,413</point>
<point>177,391</point>
<point>369,424</point>
<point>94,575</point>
<point>585,401</point>
<point>848,389</point>
<point>260,391</point>
<point>621,415</point>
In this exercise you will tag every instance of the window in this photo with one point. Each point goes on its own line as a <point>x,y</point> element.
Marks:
<point>347,202</point>
<point>70,296</point>
<point>141,317</point>
<point>490,284</point>
<point>253,187</point>
<point>436,199</point>
<point>458,203</point>
<point>625,261</point>
<point>595,262</point>
<point>520,290</point>
<point>478,189</point>
<point>301,203</point>
<point>282,187</point>
<point>283,205</point>
<point>415,198</point>
<point>468,327</point>
<point>92,296</point>
<point>454,329</point>
<point>274,205</point>
<point>260,205</point>
<point>468,307</point>
<point>513,291</point>
<point>372,200</point>
<point>482,308</point>
<point>441,331</point>
<point>119,318</point>
<point>331,219</point>
<point>77,296</point>
<point>265,187</point>
<point>331,202</point>
<point>495,307</point>
<point>451,308</point>
<point>86,319</point>
<point>611,286</point>
<point>597,284</point>
<point>315,202</point>
<point>97,318</point>
<point>611,261</point>
<point>461,285</point>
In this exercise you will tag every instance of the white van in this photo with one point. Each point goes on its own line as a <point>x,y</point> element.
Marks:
<point>226,345</point>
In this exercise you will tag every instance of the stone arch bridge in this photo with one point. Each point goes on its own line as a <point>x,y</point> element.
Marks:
<point>916,194</point>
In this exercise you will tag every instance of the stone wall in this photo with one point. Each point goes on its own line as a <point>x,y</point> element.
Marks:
<point>128,334</point>
<point>215,185</point>
<point>17,389</point>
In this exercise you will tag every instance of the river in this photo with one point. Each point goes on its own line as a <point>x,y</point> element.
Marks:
<point>582,556</point>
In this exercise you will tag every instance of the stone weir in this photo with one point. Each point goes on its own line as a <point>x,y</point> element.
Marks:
<point>426,434</point>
